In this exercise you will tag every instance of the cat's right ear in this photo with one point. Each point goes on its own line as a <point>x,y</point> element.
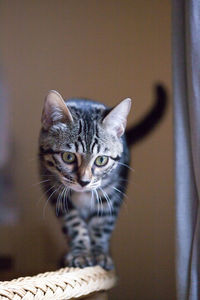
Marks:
<point>55,110</point>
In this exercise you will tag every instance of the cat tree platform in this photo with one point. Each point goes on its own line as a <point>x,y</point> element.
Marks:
<point>66,283</point>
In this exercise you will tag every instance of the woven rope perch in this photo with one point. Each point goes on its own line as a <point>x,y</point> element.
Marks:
<point>66,283</point>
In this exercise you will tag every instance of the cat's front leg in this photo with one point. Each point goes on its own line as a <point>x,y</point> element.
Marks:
<point>76,229</point>
<point>100,228</point>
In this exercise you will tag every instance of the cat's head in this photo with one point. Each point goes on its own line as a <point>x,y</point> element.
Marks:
<point>80,140</point>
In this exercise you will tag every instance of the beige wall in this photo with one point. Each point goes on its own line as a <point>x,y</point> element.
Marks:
<point>106,50</point>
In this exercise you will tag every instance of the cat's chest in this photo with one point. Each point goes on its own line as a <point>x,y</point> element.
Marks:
<point>83,202</point>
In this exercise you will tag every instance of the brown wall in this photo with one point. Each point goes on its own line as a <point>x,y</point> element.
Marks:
<point>106,50</point>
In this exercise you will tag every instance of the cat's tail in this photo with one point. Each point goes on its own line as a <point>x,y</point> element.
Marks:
<point>150,120</point>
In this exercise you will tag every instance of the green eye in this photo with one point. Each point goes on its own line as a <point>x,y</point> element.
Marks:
<point>68,157</point>
<point>101,161</point>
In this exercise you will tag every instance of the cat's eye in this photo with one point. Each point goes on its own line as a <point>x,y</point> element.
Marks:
<point>68,157</point>
<point>101,161</point>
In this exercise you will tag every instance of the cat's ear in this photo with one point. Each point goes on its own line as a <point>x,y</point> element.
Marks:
<point>116,119</point>
<point>55,110</point>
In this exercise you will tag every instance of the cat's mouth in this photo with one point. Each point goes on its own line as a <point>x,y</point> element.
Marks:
<point>80,187</point>
<point>89,188</point>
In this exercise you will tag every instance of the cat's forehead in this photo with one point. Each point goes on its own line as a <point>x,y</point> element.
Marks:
<point>84,136</point>
<point>86,133</point>
<point>86,111</point>
<point>91,138</point>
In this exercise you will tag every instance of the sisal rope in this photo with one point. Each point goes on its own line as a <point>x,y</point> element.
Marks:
<point>66,283</point>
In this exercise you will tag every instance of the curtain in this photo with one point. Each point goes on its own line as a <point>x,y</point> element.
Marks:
<point>186,93</point>
<point>4,127</point>
<point>9,214</point>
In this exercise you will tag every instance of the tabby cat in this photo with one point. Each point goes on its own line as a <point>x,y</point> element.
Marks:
<point>84,162</point>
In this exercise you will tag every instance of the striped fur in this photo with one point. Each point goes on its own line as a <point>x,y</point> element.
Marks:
<point>86,197</point>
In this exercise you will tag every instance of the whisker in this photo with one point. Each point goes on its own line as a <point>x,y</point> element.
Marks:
<point>101,204</point>
<point>122,200</point>
<point>97,198</point>
<point>68,180</point>
<point>119,191</point>
<point>63,199</point>
<point>107,200</point>
<point>35,184</point>
<point>59,202</point>
<point>127,166</point>
<point>43,195</point>
<point>94,186</point>
<point>45,205</point>
<point>91,200</point>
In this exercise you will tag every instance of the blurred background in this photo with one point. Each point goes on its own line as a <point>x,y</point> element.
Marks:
<point>105,50</point>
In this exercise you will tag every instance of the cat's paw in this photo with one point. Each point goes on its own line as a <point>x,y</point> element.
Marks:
<point>79,260</point>
<point>105,261</point>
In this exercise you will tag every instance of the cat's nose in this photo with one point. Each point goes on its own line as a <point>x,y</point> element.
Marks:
<point>83,182</point>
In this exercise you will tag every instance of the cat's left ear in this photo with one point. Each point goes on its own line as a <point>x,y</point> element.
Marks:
<point>116,119</point>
